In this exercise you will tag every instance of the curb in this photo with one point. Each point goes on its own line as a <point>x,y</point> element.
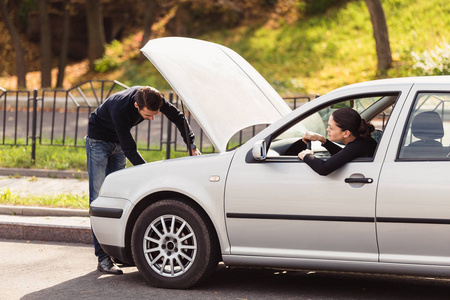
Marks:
<point>50,233</point>
<point>42,211</point>
<point>45,224</point>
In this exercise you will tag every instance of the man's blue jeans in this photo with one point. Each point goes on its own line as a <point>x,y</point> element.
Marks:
<point>103,158</point>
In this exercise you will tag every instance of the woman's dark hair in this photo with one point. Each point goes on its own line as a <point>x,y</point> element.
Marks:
<point>148,97</point>
<point>349,119</point>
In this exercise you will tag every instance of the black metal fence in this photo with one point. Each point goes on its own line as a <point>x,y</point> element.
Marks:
<point>59,117</point>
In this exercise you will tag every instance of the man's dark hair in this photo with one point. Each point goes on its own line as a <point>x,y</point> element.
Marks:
<point>148,97</point>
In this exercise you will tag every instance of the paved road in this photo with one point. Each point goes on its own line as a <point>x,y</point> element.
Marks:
<point>37,270</point>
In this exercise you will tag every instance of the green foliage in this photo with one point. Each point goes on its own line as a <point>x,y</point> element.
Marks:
<point>433,62</point>
<point>15,156</point>
<point>329,52</point>
<point>111,59</point>
<point>47,157</point>
<point>61,157</point>
<point>105,64</point>
<point>24,9</point>
<point>321,53</point>
<point>61,200</point>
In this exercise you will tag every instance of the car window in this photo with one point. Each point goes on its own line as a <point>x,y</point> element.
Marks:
<point>374,109</point>
<point>427,135</point>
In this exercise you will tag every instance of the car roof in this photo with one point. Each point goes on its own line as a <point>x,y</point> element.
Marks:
<point>401,80</point>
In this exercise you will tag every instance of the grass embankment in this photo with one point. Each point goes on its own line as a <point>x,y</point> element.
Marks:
<point>65,200</point>
<point>318,54</point>
<point>61,157</point>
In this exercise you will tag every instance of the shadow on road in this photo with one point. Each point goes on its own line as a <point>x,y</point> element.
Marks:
<point>241,283</point>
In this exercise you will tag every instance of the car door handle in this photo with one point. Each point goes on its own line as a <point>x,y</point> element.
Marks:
<point>358,180</point>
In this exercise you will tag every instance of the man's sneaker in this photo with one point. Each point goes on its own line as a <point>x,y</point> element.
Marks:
<point>108,267</point>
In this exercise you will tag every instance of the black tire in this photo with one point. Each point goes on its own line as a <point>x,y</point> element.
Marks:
<point>172,246</point>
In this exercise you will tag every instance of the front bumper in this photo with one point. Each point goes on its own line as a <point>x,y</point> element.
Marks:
<point>119,254</point>
<point>106,212</point>
<point>109,217</point>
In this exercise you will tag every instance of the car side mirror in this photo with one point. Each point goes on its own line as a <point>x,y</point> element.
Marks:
<point>259,150</point>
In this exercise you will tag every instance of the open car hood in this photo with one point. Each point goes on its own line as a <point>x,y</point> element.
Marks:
<point>220,88</point>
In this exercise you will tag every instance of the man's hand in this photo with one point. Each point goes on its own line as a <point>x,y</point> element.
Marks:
<point>196,152</point>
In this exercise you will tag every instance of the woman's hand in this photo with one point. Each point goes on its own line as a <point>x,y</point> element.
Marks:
<point>302,154</point>
<point>310,136</point>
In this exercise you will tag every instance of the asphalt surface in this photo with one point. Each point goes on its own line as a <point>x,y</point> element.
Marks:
<point>52,270</point>
<point>43,223</point>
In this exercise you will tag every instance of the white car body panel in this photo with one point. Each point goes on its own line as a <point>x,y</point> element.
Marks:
<point>223,102</point>
<point>187,176</point>
<point>296,197</point>
<point>408,194</point>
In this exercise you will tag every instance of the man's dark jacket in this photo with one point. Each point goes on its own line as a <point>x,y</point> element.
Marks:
<point>112,122</point>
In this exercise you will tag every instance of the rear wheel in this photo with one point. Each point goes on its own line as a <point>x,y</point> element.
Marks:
<point>172,246</point>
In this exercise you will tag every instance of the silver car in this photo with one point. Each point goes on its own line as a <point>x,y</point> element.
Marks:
<point>259,205</point>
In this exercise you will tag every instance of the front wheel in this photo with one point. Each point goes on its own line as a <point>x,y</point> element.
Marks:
<point>172,246</point>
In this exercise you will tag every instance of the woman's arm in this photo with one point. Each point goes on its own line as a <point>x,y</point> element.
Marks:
<point>343,156</point>
<point>331,147</point>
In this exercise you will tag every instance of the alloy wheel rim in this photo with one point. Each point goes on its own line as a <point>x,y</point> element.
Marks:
<point>170,246</point>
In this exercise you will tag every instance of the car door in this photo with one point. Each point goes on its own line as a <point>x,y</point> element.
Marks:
<point>413,206</point>
<point>282,208</point>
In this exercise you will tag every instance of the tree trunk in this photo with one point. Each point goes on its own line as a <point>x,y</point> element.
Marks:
<point>21,70</point>
<point>64,44</point>
<point>151,11</point>
<point>380,32</point>
<point>46,45</point>
<point>96,31</point>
